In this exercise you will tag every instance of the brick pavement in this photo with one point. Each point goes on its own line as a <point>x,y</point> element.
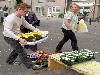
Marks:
<point>90,40</point>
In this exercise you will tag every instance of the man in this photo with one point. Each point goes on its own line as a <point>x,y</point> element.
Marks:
<point>12,25</point>
<point>69,27</point>
<point>33,19</point>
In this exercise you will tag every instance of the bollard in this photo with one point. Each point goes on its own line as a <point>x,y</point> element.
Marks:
<point>89,21</point>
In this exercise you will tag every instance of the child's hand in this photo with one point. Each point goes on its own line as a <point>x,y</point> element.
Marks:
<point>22,41</point>
<point>74,30</point>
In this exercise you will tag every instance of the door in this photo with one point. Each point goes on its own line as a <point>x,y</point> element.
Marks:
<point>49,11</point>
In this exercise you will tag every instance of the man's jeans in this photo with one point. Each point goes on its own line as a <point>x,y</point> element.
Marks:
<point>68,34</point>
<point>17,50</point>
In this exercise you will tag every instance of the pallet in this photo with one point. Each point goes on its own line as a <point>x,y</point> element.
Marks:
<point>85,68</point>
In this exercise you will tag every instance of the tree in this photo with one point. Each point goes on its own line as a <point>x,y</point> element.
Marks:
<point>5,8</point>
<point>18,1</point>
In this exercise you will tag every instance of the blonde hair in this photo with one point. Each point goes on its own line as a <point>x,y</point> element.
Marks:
<point>23,6</point>
<point>72,5</point>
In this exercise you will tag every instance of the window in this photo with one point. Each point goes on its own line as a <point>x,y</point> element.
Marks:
<point>56,9</point>
<point>40,1</point>
<point>38,9</point>
<point>50,0</point>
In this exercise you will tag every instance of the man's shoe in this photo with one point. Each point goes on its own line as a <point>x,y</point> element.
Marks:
<point>36,67</point>
<point>58,51</point>
<point>14,63</point>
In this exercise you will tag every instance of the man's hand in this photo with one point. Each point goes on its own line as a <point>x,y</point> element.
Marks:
<point>74,30</point>
<point>22,41</point>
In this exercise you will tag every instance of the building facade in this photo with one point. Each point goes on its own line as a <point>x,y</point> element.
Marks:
<point>10,4</point>
<point>95,9</point>
<point>50,8</point>
<point>90,6</point>
<point>55,7</point>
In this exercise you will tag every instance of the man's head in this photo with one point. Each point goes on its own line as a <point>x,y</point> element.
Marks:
<point>22,9</point>
<point>74,7</point>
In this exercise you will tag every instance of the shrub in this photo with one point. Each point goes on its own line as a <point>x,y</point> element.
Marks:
<point>5,8</point>
<point>61,15</point>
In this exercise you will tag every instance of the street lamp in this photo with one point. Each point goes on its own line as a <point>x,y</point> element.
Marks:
<point>68,3</point>
<point>31,5</point>
<point>65,7</point>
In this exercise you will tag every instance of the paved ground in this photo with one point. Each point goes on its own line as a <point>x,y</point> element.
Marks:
<point>90,40</point>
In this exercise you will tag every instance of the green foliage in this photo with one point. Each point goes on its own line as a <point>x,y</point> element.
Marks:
<point>98,16</point>
<point>75,57</point>
<point>81,74</point>
<point>84,14</point>
<point>0,7</point>
<point>38,37</point>
<point>30,38</point>
<point>5,8</point>
<point>61,15</point>
<point>18,1</point>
